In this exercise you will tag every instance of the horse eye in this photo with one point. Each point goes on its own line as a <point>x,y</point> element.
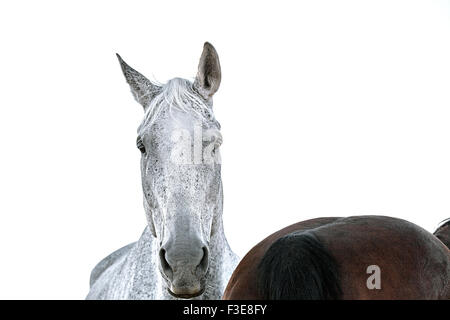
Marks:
<point>140,145</point>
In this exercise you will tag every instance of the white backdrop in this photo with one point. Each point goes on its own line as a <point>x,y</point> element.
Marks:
<point>328,108</point>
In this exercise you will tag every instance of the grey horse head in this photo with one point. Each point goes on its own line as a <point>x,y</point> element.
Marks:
<point>180,167</point>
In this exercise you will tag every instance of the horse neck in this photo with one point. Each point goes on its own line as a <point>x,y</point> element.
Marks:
<point>220,251</point>
<point>222,262</point>
<point>218,243</point>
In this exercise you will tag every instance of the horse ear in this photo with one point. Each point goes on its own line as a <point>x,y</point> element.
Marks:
<point>208,77</point>
<point>142,89</point>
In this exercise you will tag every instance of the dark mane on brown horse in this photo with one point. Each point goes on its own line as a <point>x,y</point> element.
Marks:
<point>298,257</point>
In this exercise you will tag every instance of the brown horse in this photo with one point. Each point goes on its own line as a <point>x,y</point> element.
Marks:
<point>361,257</point>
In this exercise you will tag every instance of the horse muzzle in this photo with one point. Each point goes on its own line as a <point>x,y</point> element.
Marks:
<point>184,267</point>
<point>185,294</point>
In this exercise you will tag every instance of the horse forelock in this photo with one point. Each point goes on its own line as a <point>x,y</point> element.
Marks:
<point>178,94</point>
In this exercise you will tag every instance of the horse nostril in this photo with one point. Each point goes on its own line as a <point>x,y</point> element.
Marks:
<point>203,265</point>
<point>167,270</point>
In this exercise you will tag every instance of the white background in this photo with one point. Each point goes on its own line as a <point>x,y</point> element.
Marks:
<point>328,108</point>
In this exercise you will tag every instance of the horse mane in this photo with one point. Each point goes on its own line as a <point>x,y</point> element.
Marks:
<point>297,266</point>
<point>180,94</point>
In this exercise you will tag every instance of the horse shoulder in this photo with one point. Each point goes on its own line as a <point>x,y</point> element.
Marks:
<point>107,262</point>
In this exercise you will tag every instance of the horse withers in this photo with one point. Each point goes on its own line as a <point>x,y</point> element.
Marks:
<point>361,257</point>
<point>183,252</point>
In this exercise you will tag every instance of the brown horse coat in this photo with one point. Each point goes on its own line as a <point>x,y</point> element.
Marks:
<point>413,263</point>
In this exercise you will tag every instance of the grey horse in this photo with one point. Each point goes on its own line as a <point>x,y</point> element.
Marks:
<point>183,251</point>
